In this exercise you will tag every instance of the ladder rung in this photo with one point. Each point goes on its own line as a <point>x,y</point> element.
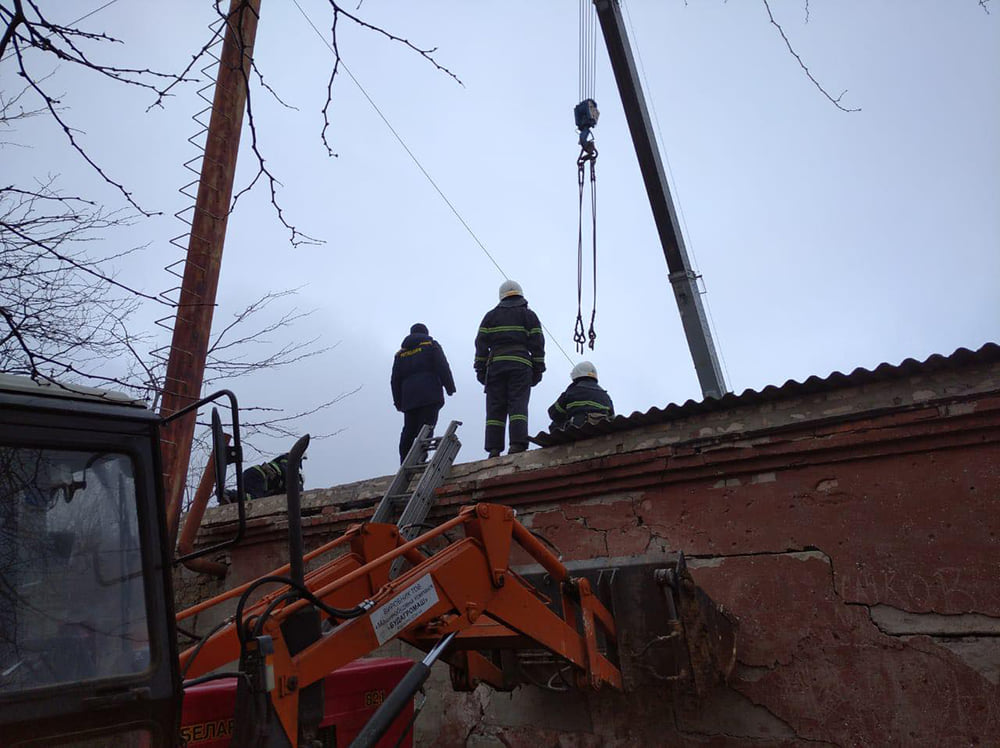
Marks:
<point>412,492</point>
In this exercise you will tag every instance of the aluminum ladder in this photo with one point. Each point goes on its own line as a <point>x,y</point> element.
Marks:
<point>411,494</point>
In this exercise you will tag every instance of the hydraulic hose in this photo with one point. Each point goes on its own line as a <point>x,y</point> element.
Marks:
<point>354,612</point>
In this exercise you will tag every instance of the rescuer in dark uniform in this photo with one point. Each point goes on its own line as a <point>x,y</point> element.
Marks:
<point>510,359</point>
<point>266,479</point>
<point>583,397</point>
<point>419,372</point>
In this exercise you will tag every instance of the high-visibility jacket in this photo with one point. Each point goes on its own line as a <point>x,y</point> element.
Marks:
<point>510,336</point>
<point>582,397</point>
<point>419,372</point>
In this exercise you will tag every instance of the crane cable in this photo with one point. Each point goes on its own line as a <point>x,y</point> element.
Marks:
<point>586,156</point>
<point>586,114</point>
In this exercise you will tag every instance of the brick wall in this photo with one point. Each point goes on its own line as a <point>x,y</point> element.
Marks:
<point>852,530</point>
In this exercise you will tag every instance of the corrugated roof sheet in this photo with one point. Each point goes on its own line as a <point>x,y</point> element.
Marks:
<point>962,357</point>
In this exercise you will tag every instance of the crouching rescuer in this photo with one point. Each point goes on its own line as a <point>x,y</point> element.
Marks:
<point>583,398</point>
<point>510,360</point>
<point>266,479</point>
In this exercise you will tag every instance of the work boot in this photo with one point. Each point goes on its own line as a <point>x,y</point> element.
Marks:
<point>515,448</point>
<point>493,453</point>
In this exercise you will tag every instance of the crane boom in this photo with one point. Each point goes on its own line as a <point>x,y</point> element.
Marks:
<point>683,279</point>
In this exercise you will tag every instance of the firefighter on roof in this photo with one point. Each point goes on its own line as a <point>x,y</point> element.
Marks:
<point>510,359</point>
<point>582,398</point>
<point>419,372</point>
<point>266,479</point>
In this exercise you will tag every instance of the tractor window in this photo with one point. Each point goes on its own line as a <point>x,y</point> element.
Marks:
<point>72,601</point>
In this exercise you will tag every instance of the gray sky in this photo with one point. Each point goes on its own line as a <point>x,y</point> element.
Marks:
<point>827,240</point>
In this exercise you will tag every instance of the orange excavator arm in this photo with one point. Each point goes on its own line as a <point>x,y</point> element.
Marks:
<point>466,605</point>
<point>466,594</point>
<point>363,542</point>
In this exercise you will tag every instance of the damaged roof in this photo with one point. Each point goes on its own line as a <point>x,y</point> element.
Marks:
<point>962,357</point>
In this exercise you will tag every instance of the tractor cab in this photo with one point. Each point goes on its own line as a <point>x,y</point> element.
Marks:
<point>88,655</point>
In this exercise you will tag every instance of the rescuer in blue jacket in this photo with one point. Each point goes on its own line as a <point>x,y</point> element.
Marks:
<point>510,359</point>
<point>419,372</point>
<point>583,397</point>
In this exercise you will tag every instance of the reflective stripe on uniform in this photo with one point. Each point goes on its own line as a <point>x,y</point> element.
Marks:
<point>518,359</point>
<point>491,422</point>
<point>504,328</point>
<point>517,418</point>
<point>586,403</point>
<point>559,408</point>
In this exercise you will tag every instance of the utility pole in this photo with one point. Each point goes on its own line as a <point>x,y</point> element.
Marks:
<point>682,278</point>
<point>193,323</point>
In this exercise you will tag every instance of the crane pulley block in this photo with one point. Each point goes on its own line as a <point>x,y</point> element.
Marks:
<point>586,114</point>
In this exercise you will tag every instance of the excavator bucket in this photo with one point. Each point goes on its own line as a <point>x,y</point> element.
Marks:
<point>668,630</point>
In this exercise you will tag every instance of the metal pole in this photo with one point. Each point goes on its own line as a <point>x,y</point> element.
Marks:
<point>682,277</point>
<point>400,697</point>
<point>193,323</point>
<point>194,516</point>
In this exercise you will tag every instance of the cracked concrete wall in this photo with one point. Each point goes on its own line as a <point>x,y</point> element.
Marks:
<point>859,552</point>
<point>815,572</point>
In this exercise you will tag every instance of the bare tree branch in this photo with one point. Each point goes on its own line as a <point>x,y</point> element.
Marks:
<point>329,85</point>
<point>60,304</point>
<point>182,76</point>
<point>230,358</point>
<point>427,54</point>
<point>296,237</point>
<point>28,29</point>
<point>834,100</point>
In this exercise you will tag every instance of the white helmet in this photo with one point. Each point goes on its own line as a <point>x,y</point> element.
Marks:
<point>510,288</point>
<point>583,369</point>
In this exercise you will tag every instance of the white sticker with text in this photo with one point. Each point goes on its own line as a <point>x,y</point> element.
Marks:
<point>403,609</point>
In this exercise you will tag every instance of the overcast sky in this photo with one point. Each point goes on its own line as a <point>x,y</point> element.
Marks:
<point>827,240</point>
